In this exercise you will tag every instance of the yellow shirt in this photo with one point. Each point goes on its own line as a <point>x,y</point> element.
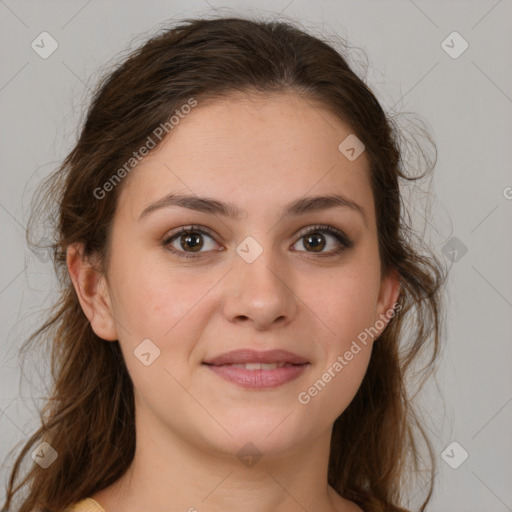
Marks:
<point>87,505</point>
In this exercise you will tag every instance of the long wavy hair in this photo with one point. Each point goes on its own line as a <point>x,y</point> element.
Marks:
<point>88,419</point>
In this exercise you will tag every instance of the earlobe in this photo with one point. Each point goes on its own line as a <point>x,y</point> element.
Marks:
<point>92,291</point>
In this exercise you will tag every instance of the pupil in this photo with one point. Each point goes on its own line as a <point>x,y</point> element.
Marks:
<point>189,239</point>
<point>310,239</point>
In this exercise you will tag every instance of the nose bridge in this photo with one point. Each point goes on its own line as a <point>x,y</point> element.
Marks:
<point>259,289</point>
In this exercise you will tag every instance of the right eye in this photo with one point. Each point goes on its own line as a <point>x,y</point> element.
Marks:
<point>187,237</point>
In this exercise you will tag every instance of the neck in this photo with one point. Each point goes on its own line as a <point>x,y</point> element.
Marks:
<point>168,473</point>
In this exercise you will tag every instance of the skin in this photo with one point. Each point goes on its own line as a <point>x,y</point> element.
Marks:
<point>260,152</point>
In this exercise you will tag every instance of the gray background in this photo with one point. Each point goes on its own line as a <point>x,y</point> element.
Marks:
<point>467,105</point>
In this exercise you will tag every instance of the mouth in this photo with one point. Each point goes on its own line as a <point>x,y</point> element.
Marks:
<point>258,370</point>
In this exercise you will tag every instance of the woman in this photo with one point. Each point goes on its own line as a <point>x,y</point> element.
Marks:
<point>237,276</point>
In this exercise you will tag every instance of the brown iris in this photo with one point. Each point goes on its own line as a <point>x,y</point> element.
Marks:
<point>316,241</point>
<point>193,241</point>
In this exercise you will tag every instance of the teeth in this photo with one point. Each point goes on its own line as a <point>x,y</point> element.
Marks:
<point>271,366</point>
<point>260,366</point>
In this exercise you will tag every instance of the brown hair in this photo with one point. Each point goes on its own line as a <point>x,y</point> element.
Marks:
<point>89,417</point>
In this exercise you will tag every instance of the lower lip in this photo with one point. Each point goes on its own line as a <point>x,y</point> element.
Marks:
<point>259,379</point>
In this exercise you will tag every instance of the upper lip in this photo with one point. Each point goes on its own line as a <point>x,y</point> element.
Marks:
<point>242,356</point>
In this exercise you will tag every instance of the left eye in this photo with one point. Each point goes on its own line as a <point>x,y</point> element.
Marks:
<point>315,236</point>
<point>190,239</point>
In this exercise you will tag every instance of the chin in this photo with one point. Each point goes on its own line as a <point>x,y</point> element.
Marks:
<point>264,435</point>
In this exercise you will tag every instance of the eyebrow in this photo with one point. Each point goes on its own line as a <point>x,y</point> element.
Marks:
<point>213,206</point>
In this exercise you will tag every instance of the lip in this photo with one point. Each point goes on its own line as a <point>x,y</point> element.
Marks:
<point>242,356</point>
<point>259,378</point>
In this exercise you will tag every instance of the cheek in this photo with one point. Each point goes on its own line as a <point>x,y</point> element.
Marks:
<point>345,353</point>
<point>345,311</point>
<point>167,308</point>
<point>152,299</point>
<point>345,304</point>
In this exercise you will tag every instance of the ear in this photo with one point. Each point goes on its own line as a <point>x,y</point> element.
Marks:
<point>388,296</point>
<point>92,290</point>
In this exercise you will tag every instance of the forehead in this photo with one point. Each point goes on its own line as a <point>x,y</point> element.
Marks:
<point>257,150</point>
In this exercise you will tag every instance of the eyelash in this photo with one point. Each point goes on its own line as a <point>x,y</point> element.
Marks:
<point>343,241</point>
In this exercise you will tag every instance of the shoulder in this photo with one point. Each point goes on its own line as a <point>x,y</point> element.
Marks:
<point>86,505</point>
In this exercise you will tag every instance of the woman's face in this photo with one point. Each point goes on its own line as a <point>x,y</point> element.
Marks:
<point>256,282</point>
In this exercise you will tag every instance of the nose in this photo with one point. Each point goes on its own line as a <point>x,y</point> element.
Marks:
<point>260,293</point>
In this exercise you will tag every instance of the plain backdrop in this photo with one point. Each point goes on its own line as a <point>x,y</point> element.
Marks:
<point>416,64</point>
